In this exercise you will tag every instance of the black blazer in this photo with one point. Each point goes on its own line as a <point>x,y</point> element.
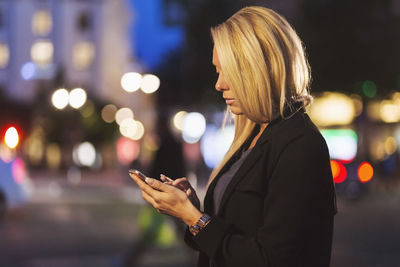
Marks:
<point>278,208</point>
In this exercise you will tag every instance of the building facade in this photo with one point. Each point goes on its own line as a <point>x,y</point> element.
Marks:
<point>75,43</point>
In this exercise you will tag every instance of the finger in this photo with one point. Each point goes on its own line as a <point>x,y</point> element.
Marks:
<point>182,183</point>
<point>144,186</point>
<point>152,202</point>
<point>165,178</point>
<point>155,184</point>
<point>148,198</point>
<point>137,180</point>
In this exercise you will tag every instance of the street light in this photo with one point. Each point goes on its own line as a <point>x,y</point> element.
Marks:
<point>11,137</point>
<point>150,83</point>
<point>60,98</point>
<point>77,98</point>
<point>122,114</point>
<point>131,81</point>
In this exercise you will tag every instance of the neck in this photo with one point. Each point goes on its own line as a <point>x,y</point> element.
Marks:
<point>262,128</point>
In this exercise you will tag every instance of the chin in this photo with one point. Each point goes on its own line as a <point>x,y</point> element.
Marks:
<point>236,110</point>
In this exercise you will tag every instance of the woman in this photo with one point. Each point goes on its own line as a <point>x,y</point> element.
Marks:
<point>271,201</point>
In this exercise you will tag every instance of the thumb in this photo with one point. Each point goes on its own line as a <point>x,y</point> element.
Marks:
<point>156,184</point>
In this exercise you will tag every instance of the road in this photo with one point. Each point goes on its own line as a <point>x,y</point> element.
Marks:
<point>97,223</point>
<point>86,225</point>
<point>367,231</point>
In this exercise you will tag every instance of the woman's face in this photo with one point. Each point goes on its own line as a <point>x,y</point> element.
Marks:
<point>223,87</point>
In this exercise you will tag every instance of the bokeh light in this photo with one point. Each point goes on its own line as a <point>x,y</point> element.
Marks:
<point>127,150</point>
<point>108,113</point>
<point>131,81</point>
<point>178,119</point>
<point>42,52</point>
<point>390,145</point>
<point>339,172</point>
<point>193,127</point>
<point>4,55</point>
<point>60,98</point>
<point>369,89</point>
<point>127,127</point>
<point>122,114</point>
<point>18,170</point>
<point>83,55</point>
<point>42,22</point>
<point>131,128</point>
<point>150,83</point>
<point>215,143</point>
<point>11,137</point>
<point>53,156</point>
<point>34,145</point>
<point>332,109</point>
<point>365,172</point>
<point>77,98</point>
<point>342,143</point>
<point>28,71</point>
<point>389,111</point>
<point>138,134</point>
<point>84,154</point>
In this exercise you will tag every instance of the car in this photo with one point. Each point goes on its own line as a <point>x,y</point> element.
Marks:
<point>15,185</point>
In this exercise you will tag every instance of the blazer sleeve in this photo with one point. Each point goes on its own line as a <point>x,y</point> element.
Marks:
<point>298,200</point>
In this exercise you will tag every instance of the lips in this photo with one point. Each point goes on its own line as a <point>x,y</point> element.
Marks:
<point>229,101</point>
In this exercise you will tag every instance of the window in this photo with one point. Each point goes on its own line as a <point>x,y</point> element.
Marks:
<point>84,21</point>
<point>42,52</point>
<point>42,23</point>
<point>4,55</point>
<point>83,55</point>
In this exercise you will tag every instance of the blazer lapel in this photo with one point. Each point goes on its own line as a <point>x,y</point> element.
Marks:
<point>252,158</point>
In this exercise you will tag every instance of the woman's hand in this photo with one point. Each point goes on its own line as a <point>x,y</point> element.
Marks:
<point>168,199</point>
<point>184,185</point>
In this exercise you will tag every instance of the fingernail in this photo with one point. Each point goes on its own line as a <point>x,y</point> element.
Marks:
<point>148,181</point>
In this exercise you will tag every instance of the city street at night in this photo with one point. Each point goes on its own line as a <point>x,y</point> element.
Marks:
<point>92,225</point>
<point>96,223</point>
<point>280,111</point>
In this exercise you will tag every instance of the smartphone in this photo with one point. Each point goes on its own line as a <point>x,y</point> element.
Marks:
<point>138,173</point>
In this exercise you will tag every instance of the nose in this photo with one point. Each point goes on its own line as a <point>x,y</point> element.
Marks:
<point>218,87</point>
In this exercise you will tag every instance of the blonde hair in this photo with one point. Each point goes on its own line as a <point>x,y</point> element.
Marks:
<point>264,63</point>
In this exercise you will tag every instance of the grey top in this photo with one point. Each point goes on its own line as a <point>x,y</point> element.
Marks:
<point>225,179</point>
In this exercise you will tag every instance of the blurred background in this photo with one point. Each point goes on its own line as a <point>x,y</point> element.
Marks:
<point>92,88</point>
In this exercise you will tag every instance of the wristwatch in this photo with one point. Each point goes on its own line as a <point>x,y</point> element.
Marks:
<point>200,224</point>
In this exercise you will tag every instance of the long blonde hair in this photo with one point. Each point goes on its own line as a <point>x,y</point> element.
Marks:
<point>264,63</point>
